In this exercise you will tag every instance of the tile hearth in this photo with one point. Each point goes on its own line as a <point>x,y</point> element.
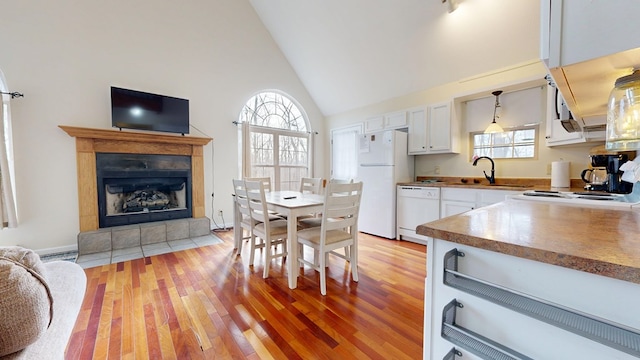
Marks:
<point>138,252</point>
<point>122,243</point>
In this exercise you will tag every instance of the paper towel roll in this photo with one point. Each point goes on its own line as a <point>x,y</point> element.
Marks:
<point>560,174</point>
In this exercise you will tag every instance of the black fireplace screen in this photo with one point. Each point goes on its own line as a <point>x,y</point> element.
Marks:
<point>138,188</point>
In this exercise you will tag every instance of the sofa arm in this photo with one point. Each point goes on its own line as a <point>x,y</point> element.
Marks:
<point>67,282</point>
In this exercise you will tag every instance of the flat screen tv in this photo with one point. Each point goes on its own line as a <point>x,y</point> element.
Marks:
<point>131,109</point>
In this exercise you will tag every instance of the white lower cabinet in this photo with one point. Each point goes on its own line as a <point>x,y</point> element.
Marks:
<point>487,303</point>
<point>458,200</point>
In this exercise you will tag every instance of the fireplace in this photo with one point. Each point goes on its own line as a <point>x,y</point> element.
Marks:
<point>90,142</point>
<point>139,188</point>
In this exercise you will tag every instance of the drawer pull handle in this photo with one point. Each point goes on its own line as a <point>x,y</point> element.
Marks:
<point>451,355</point>
<point>472,341</point>
<point>616,336</point>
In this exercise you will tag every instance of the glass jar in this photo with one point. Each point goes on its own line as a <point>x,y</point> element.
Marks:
<point>623,115</point>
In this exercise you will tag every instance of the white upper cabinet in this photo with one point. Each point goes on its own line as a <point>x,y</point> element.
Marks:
<point>395,120</point>
<point>586,46</point>
<point>373,124</point>
<point>576,30</point>
<point>417,140</point>
<point>440,129</point>
<point>432,130</point>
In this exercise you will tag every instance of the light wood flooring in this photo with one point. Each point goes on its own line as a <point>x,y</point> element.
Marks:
<point>207,303</point>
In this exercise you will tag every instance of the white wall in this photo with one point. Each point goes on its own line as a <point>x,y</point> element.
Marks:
<point>64,55</point>
<point>460,164</point>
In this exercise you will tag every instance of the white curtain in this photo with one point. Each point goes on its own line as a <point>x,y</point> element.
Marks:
<point>344,152</point>
<point>246,149</point>
<point>7,198</point>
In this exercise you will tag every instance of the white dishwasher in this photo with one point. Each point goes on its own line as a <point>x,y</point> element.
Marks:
<point>416,205</point>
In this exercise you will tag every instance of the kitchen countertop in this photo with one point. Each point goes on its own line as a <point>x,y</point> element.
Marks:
<point>512,184</point>
<point>600,241</point>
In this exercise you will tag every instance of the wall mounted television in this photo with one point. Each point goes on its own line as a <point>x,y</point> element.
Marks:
<point>131,109</point>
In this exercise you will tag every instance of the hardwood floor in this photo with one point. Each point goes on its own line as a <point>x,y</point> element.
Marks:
<point>207,303</point>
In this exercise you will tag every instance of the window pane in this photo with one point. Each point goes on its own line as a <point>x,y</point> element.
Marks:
<point>518,143</point>
<point>290,177</point>
<point>261,149</point>
<point>293,150</point>
<point>503,138</point>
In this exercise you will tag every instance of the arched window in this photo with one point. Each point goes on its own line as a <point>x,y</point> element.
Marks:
<point>8,214</point>
<point>275,140</point>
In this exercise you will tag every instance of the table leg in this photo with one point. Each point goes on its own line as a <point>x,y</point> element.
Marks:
<point>292,249</point>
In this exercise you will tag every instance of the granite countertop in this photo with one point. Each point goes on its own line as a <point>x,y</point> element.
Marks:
<point>595,240</point>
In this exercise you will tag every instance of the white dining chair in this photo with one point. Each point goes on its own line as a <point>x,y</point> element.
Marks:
<point>338,229</point>
<point>266,181</point>
<point>271,232</point>
<point>242,203</point>
<point>311,185</point>
<point>312,221</point>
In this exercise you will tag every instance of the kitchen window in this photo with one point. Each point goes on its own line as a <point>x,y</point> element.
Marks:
<point>275,140</point>
<point>515,143</point>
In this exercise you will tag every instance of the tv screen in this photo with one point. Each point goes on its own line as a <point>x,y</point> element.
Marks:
<point>132,109</point>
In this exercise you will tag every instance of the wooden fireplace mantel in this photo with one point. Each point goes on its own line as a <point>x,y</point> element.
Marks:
<point>92,141</point>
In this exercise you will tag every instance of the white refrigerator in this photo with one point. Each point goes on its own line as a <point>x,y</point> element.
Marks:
<point>383,162</point>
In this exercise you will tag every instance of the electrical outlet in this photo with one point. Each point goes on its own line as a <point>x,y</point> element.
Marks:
<point>220,213</point>
<point>436,170</point>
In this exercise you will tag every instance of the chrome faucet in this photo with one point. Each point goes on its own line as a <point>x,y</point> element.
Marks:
<point>492,178</point>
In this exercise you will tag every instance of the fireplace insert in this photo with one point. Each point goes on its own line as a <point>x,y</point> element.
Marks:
<point>139,188</point>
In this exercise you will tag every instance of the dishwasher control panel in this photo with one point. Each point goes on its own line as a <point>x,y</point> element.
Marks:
<point>419,192</point>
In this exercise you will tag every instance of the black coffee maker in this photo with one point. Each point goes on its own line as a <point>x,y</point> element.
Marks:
<point>615,184</point>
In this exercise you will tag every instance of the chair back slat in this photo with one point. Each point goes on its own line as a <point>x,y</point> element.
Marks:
<point>311,185</point>
<point>266,181</point>
<point>241,197</point>
<point>341,206</point>
<point>257,201</point>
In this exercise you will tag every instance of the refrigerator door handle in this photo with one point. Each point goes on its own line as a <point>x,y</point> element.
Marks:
<point>372,165</point>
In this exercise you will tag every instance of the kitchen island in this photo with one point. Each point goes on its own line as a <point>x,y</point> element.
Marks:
<point>534,280</point>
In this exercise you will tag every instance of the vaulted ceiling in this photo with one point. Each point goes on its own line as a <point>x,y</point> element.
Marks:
<point>354,53</point>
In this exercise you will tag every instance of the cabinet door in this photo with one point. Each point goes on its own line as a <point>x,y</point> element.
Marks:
<point>417,140</point>
<point>439,128</point>
<point>374,124</point>
<point>574,31</point>
<point>448,207</point>
<point>395,120</point>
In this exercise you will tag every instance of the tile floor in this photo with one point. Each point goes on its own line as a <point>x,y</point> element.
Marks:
<point>115,256</point>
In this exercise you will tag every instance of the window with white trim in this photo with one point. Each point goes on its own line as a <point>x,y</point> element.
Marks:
<point>275,140</point>
<point>515,143</point>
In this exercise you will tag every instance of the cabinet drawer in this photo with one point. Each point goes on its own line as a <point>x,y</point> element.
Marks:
<point>486,197</point>
<point>457,194</point>
<point>588,294</point>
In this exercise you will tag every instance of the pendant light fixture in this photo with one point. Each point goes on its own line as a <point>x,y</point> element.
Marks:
<point>494,127</point>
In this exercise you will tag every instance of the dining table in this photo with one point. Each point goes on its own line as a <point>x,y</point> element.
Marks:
<point>290,204</point>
